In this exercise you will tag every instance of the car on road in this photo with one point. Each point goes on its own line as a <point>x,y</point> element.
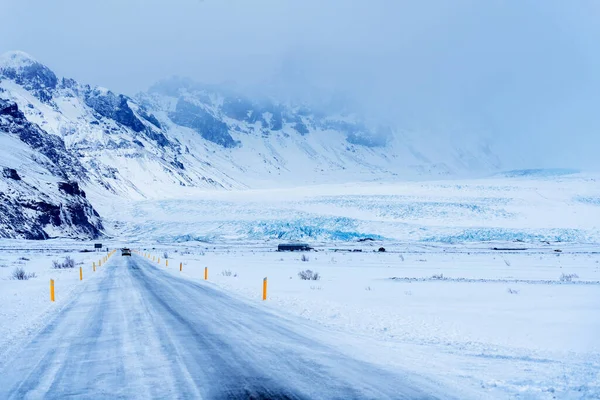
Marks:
<point>126,252</point>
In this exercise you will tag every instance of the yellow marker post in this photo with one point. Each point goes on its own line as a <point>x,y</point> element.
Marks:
<point>167,263</point>
<point>80,273</point>
<point>94,266</point>
<point>265,289</point>
<point>159,260</point>
<point>51,289</point>
<point>205,273</point>
<point>180,267</point>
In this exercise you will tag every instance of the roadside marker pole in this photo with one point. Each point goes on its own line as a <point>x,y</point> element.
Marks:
<point>80,273</point>
<point>159,260</point>
<point>51,289</point>
<point>180,267</point>
<point>265,289</point>
<point>94,266</point>
<point>167,262</point>
<point>205,273</point>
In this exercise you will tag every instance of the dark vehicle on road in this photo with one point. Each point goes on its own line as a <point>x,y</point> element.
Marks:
<point>126,252</point>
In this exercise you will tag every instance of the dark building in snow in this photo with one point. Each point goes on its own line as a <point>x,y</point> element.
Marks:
<point>293,247</point>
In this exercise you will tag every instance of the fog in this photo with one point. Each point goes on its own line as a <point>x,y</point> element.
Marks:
<point>524,73</point>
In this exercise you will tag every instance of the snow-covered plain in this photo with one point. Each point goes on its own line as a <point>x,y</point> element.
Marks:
<point>553,208</point>
<point>439,302</point>
<point>25,306</point>
<point>517,331</point>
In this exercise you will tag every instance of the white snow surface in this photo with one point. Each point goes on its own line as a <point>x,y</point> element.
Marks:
<point>520,321</point>
<point>481,323</point>
<point>555,209</point>
<point>16,60</point>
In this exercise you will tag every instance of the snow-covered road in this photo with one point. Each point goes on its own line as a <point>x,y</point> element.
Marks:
<point>140,332</point>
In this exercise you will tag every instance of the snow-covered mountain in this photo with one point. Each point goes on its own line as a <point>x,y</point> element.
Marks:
<point>183,134</point>
<point>40,195</point>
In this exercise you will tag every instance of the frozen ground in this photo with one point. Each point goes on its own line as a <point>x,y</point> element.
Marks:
<point>513,329</point>
<point>25,305</point>
<point>439,302</point>
<point>473,337</point>
<point>138,333</point>
<point>554,208</point>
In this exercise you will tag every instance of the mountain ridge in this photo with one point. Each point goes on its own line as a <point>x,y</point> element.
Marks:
<point>184,134</point>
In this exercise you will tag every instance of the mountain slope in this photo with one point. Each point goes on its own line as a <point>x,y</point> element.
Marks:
<point>183,134</point>
<point>39,193</point>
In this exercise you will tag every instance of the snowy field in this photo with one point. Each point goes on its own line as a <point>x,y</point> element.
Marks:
<point>521,321</point>
<point>512,329</point>
<point>25,303</point>
<point>552,207</point>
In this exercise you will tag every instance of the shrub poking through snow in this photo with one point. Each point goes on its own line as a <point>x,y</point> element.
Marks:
<point>507,262</point>
<point>437,277</point>
<point>20,274</point>
<point>568,277</point>
<point>166,255</point>
<point>68,262</point>
<point>512,291</point>
<point>305,258</point>
<point>308,275</point>
<point>227,272</point>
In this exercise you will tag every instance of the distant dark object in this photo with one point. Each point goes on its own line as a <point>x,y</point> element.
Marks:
<point>357,250</point>
<point>558,251</point>
<point>85,251</point>
<point>125,252</point>
<point>98,245</point>
<point>381,250</point>
<point>367,239</point>
<point>508,248</point>
<point>294,247</point>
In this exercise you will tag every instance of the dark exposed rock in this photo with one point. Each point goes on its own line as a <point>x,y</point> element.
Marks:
<point>300,127</point>
<point>10,109</point>
<point>150,118</point>
<point>62,162</point>
<point>197,118</point>
<point>176,163</point>
<point>11,173</point>
<point>27,210</point>
<point>242,109</point>
<point>115,107</point>
<point>158,137</point>
<point>71,188</point>
<point>32,75</point>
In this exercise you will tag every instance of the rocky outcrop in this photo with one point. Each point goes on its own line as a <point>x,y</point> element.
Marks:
<point>29,73</point>
<point>31,205</point>
<point>197,118</point>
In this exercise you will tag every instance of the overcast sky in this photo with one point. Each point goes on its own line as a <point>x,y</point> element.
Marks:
<point>526,72</point>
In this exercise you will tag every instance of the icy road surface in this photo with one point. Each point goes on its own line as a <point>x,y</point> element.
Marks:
<point>138,332</point>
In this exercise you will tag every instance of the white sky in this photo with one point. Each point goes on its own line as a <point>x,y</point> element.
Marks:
<point>525,71</point>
